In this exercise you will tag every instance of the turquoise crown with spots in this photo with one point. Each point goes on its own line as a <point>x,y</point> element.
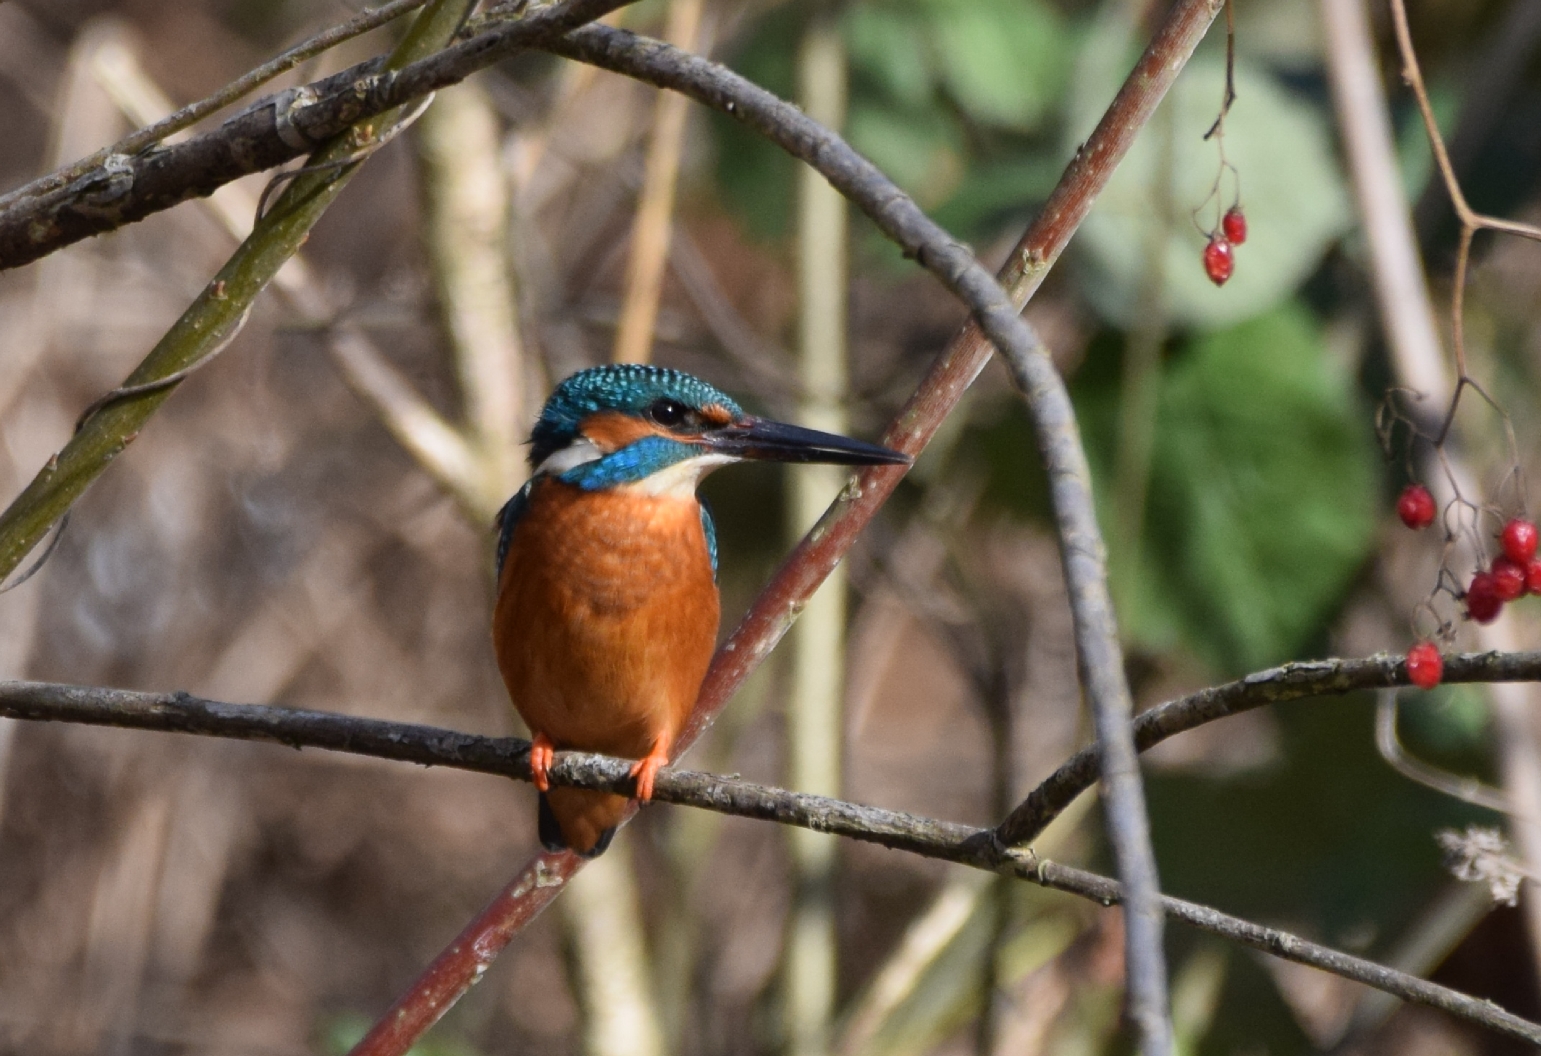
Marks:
<point>627,388</point>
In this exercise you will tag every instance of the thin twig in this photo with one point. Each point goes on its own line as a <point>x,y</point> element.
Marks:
<point>947,841</point>
<point>1492,76</point>
<point>1471,220</point>
<point>1229,98</point>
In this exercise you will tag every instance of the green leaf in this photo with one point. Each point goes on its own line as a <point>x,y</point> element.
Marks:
<point>1003,61</point>
<point>885,43</point>
<point>1263,493</point>
<point>1143,242</point>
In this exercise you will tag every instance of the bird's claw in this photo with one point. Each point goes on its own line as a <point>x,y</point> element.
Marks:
<point>645,770</point>
<point>542,756</point>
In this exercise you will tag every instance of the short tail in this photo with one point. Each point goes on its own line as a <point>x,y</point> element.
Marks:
<point>586,813</point>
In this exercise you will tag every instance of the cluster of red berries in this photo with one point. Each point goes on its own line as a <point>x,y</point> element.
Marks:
<point>1220,254</point>
<point>1513,574</point>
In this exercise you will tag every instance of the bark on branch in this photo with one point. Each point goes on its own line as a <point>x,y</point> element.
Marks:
<point>275,129</point>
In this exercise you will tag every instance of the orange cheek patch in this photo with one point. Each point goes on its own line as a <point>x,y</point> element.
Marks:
<point>610,431</point>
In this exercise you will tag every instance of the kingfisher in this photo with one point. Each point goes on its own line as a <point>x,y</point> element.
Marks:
<point>607,607</point>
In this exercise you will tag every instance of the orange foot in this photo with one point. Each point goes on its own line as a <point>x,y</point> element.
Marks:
<point>645,770</point>
<point>542,755</point>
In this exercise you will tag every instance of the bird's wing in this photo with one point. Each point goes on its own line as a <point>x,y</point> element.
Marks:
<point>508,518</point>
<point>709,528</point>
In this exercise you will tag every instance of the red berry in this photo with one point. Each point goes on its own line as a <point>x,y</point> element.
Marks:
<point>1425,667</point>
<point>1234,224</point>
<point>1219,260</point>
<point>1482,601</point>
<point>1508,579</point>
<point>1416,507</point>
<point>1533,575</point>
<point>1519,541</point>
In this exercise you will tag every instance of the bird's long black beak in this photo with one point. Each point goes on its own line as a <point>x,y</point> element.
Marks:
<point>760,438</point>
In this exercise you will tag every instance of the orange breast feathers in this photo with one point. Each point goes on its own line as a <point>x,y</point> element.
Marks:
<point>605,624</point>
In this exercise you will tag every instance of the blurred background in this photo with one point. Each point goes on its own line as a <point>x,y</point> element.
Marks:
<point>308,523</point>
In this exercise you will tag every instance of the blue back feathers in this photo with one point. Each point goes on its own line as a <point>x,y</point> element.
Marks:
<point>624,387</point>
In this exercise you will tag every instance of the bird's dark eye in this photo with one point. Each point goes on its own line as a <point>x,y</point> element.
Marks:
<point>667,412</point>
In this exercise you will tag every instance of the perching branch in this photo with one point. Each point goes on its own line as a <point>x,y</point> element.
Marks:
<point>946,841</point>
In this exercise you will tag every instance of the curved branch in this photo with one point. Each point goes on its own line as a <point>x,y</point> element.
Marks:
<point>946,841</point>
